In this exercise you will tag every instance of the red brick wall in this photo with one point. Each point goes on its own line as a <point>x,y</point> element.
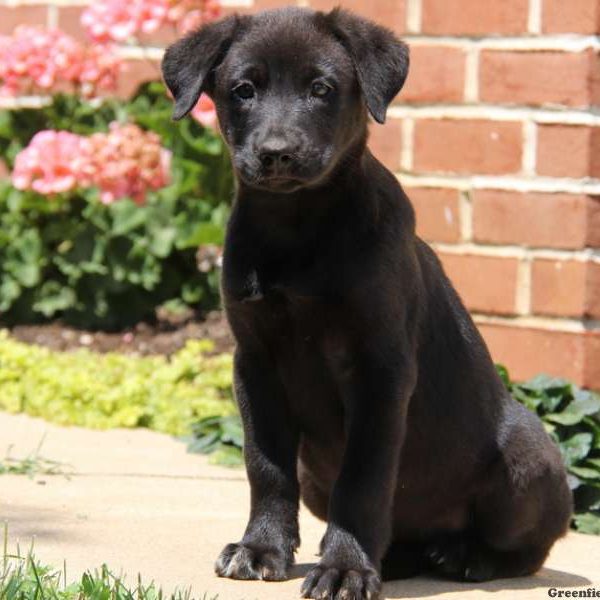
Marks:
<point>496,137</point>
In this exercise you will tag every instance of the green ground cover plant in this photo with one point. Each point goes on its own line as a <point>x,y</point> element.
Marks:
<point>115,390</point>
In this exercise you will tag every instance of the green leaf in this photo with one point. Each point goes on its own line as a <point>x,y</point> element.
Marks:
<point>232,431</point>
<point>9,292</point>
<point>192,292</point>
<point>585,402</point>
<point>227,456</point>
<point>576,447</point>
<point>588,523</point>
<point>503,372</point>
<point>127,216</point>
<point>585,472</point>
<point>53,298</point>
<point>162,240</point>
<point>565,418</point>
<point>202,233</point>
<point>542,382</point>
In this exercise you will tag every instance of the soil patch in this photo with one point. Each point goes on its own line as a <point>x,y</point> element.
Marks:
<point>164,337</point>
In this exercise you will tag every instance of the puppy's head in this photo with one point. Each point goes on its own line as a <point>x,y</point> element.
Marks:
<point>292,88</point>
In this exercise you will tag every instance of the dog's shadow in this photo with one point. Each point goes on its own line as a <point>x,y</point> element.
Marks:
<point>425,586</point>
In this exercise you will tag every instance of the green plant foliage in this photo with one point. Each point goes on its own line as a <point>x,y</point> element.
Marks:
<point>572,418</point>
<point>114,390</point>
<point>108,266</point>
<point>221,437</point>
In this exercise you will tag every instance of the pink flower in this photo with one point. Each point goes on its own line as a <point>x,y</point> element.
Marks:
<point>35,58</point>
<point>128,162</point>
<point>125,162</point>
<point>191,14</point>
<point>53,162</point>
<point>120,20</point>
<point>205,112</point>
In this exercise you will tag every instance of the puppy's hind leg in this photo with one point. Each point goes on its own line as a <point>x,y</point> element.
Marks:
<point>523,511</point>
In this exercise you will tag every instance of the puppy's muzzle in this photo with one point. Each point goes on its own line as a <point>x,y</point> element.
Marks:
<point>277,157</point>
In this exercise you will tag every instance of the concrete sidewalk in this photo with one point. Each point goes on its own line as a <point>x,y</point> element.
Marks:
<point>140,503</point>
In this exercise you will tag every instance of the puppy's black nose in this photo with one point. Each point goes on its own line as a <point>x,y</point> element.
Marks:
<point>275,154</point>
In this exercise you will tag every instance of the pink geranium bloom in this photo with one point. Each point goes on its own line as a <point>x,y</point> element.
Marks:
<point>119,20</point>
<point>205,112</point>
<point>35,58</point>
<point>125,162</point>
<point>53,162</point>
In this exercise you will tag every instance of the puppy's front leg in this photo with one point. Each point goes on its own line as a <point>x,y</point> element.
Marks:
<point>266,550</point>
<point>361,505</point>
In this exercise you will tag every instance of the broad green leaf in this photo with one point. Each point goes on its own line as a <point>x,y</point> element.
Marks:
<point>585,472</point>
<point>588,523</point>
<point>576,447</point>
<point>162,240</point>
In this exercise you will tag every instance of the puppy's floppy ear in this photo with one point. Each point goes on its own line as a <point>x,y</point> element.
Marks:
<point>188,64</point>
<point>379,57</point>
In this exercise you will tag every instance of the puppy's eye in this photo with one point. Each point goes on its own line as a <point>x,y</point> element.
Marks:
<point>320,89</point>
<point>245,91</point>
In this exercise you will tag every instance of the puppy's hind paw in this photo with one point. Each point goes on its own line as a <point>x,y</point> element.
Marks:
<point>245,561</point>
<point>461,559</point>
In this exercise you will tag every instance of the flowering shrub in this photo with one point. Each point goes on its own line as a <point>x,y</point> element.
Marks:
<point>119,21</point>
<point>103,223</point>
<point>126,162</point>
<point>35,59</point>
<point>113,209</point>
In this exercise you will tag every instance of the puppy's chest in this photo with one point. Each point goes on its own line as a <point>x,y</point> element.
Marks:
<point>294,313</point>
<point>299,303</point>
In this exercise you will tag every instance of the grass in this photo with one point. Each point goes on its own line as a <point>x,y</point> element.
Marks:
<point>32,465</point>
<point>23,577</point>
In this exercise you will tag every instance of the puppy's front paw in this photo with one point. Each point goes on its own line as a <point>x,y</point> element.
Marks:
<point>325,583</point>
<point>249,561</point>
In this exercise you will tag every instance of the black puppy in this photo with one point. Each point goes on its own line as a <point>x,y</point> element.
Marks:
<point>363,384</point>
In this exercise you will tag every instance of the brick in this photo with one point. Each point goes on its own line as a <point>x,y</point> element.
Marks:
<point>568,151</point>
<point>534,219</point>
<point>538,78</point>
<point>487,284</point>
<point>438,213</point>
<point>29,14</point>
<point>385,141</point>
<point>593,222</point>
<point>391,13</point>
<point>567,288</point>
<point>136,72</point>
<point>572,16</point>
<point>268,4</point>
<point>164,37</point>
<point>591,372</point>
<point>437,74</point>
<point>69,21</point>
<point>467,146</point>
<point>528,351</point>
<point>474,17</point>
